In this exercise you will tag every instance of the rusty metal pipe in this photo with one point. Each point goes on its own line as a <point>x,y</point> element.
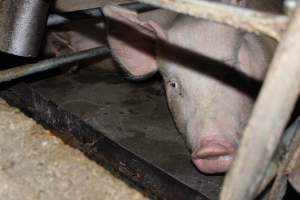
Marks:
<point>17,72</point>
<point>270,114</point>
<point>22,24</point>
<point>245,19</point>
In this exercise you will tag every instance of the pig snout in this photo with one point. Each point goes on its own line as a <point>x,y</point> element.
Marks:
<point>214,155</point>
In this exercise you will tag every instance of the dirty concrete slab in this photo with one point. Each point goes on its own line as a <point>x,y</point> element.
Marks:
<point>34,164</point>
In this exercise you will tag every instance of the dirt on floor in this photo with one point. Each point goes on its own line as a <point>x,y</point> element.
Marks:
<point>34,164</point>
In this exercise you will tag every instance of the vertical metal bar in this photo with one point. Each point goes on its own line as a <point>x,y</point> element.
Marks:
<point>22,25</point>
<point>271,112</point>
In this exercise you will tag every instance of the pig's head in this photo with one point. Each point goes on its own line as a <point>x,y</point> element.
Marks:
<point>209,113</point>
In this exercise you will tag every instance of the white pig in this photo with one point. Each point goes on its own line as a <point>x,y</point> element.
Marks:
<point>208,112</point>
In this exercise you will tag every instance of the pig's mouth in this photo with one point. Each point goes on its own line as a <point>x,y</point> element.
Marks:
<point>214,165</point>
<point>214,158</point>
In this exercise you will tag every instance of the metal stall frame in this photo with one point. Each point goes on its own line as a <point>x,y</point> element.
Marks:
<point>269,118</point>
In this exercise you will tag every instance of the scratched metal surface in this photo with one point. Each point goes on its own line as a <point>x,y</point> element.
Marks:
<point>135,115</point>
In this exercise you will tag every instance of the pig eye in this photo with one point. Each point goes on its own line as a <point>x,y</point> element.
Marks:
<point>175,88</point>
<point>173,84</point>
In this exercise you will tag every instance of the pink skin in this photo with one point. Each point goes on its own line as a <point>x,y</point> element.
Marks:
<point>212,122</point>
<point>213,157</point>
<point>210,114</point>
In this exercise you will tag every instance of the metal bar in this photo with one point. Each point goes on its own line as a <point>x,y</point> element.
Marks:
<point>279,187</point>
<point>22,24</point>
<point>74,5</point>
<point>17,72</point>
<point>294,169</point>
<point>245,19</point>
<point>64,18</point>
<point>270,114</point>
<point>283,150</point>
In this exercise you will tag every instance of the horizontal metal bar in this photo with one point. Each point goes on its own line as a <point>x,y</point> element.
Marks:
<point>58,19</point>
<point>64,18</point>
<point>249,20</point>
<point>73,5</point>
<point>24,70</point>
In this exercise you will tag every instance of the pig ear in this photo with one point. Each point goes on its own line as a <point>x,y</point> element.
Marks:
<point>253,54</point>
<point>132,41</point>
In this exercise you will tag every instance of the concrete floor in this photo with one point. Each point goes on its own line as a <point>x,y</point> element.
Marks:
<point>34,164</point>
